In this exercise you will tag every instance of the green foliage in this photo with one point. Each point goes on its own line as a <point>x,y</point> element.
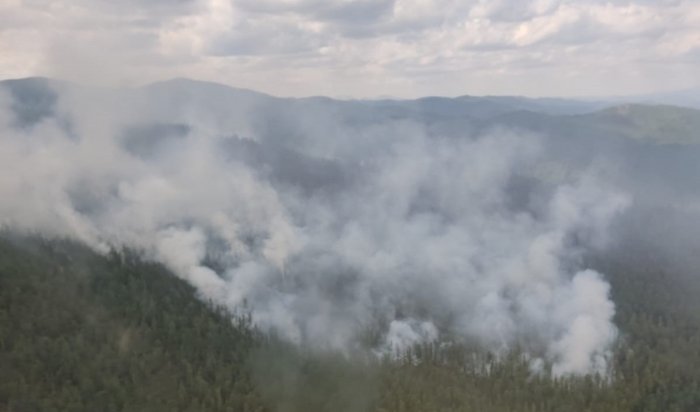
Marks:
<point>653,123</point>
<point>83,332</point>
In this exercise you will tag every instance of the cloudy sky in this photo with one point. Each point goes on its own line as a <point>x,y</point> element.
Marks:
<point>361,48</point>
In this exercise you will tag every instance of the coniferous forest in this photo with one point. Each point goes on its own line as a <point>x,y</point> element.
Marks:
<point>81,331</point>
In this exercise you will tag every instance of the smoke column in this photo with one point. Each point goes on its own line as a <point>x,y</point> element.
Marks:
<point>324,229</point>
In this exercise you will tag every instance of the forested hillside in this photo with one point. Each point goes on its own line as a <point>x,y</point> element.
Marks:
<point>84,332</point>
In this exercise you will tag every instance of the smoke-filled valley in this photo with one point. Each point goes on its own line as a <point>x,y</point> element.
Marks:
<point>353,234</point>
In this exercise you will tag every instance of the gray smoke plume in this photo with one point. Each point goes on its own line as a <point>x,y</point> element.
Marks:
<point>323,226</point>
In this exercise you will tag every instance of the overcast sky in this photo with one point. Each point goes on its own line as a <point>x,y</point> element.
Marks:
<point>362,48</point>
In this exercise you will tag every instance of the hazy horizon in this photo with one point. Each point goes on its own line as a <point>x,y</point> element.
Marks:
<point>622,99</point>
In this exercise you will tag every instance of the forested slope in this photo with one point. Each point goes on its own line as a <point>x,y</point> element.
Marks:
<point>84,332</point>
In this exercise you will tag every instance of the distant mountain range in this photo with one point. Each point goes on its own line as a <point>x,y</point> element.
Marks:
<point>317,142</point>
<point>640,118</point>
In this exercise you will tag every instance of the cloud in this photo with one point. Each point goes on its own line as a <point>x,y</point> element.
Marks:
<point>265,38</point>
<point>361,12</point>
<point>370,47</point>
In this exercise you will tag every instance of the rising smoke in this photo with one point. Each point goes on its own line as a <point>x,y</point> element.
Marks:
<point>320,227</point>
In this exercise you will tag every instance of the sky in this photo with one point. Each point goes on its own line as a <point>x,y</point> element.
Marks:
<point>361,48</point>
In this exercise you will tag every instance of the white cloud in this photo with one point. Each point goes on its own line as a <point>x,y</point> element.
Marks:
<point>361,48</point>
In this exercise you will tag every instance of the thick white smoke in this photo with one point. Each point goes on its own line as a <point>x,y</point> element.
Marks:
<point>422,236</point>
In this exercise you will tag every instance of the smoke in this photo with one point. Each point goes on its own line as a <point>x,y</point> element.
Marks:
<point>325,230</point>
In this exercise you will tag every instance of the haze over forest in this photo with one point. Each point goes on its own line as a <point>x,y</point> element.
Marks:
<point>217,248</point>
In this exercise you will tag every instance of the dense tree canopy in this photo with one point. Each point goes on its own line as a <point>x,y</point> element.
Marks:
<point>85,332</point>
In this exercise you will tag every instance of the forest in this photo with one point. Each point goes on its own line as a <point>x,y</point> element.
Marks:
<point>81,331</point>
